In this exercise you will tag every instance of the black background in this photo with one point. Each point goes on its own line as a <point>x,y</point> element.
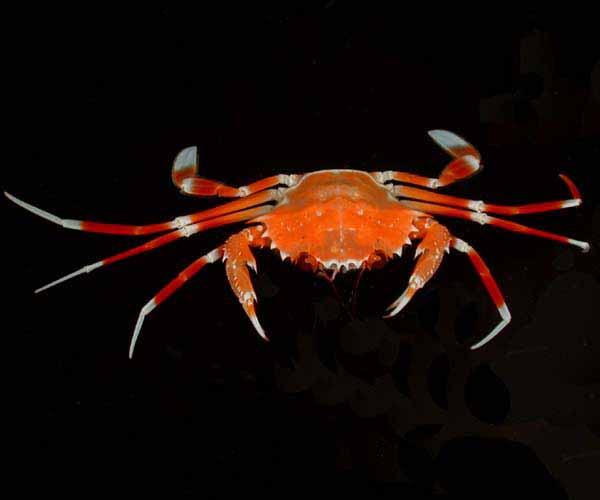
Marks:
<point>106,98</point>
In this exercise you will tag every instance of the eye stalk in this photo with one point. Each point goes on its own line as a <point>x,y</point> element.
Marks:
<point>376,260</point>
<point>307,262</point>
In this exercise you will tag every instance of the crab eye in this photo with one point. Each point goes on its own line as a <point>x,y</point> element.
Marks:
<point>376,260</point>
<point>306,262</point>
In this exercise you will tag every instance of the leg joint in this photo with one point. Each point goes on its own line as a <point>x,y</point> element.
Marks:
<point>461,246</point>
<point>480,217</point>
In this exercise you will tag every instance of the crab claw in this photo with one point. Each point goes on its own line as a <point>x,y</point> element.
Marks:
<point>430,253</point>
<point>238,258</point>
<point>248,306</point>
<point>397,306</point>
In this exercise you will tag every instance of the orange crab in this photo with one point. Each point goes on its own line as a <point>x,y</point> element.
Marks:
<point>329,221</point>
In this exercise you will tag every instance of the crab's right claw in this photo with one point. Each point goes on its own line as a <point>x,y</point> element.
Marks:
<point>238,258</point>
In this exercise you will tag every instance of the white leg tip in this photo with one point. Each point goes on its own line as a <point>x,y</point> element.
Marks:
<point>398,305</point>
<point>138,325</point>
<point>584,245</point>
<point>258,327</point>
<point>490,335</point>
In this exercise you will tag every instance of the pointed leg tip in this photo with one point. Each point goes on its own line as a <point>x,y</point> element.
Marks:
<point>583,245</point>
<point>571,185</point>
<point>12,198</point>
<point>394,304</point>
<point>260,330</point>
<point>45,287</point>
<point>132,347</point>
<point>399,304</point>
<point>138,326</point>
<point>482,342</point>
<point>390,314</point>
<point>263,335</point>
<point>257,326</point>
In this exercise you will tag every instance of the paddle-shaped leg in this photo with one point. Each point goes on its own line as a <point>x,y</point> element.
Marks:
<point>185,176</point>
<point>480,206</point>
<point>430,252</point>
<point>170,288</point>
<point>238,258</point>
<point>491,287</point>
<point>467,162</point>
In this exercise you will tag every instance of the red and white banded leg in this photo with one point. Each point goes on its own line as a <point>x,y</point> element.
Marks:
<point>491,287</point>
<point>185,177</point>
<point>238,258</point>
<point>185,231</point>
<point>430,252</point>
<point>170,288</point>
<point>482,218</point>
<point>179,222</point>
<point>480,206</point>
<point>467,162</point>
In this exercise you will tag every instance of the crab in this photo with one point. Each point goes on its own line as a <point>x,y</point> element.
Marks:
<point>328,222</point>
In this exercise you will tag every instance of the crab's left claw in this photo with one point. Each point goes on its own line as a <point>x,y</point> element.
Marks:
<point>238,258</point>
<point>248,306</point>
